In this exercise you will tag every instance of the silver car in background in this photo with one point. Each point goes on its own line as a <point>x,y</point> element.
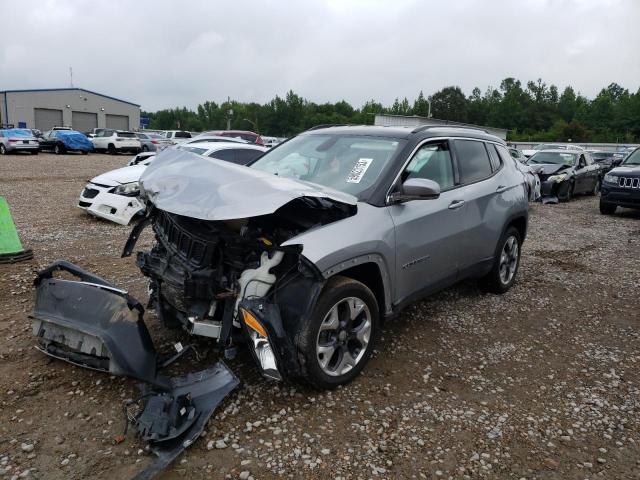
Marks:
<point>18,140</point>
<point>152,142</point>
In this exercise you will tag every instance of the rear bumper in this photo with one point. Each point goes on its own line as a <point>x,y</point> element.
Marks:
<point>16,147</point>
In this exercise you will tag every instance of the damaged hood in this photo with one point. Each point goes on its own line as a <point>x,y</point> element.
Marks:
<point>120,176</point>
<point>191,185</point>
<point>547,168</point>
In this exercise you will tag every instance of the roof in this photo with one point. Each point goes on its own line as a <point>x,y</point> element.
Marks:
<point>559,150</point>
<point>423,131</point>
<point>69,89</point>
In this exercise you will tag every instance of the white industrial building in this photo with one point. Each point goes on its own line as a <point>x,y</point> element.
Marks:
<point>78,108</point>
<point>416,121</point>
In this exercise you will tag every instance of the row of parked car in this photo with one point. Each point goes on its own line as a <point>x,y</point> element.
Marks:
<point>64,139</point>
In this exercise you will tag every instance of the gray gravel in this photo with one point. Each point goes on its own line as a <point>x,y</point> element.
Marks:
<point>539,383</point>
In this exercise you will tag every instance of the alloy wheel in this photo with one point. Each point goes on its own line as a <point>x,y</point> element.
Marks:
<point>343,336</point>
<point>509,260</point>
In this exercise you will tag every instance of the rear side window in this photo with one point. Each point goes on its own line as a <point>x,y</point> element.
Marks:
<point>226,155</point>
<point>245,156</point>
<point>126,135</point>
<point>182,135</point>
<point>473,161</point>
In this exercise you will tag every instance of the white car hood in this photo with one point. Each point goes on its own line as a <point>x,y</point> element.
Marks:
<point>120,176</point>
<point>184,183</point>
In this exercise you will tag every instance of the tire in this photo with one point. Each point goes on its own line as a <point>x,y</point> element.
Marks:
<point>111,149</point>
<point>84,152</point>
<point>35,152</point>
<point>58,150</point>
<point>569,195</point>
<point>325,338</point>
<point>607,208</point>
<point>596,189</point>
<point>145,148</point>
<point>3,149</point>
<point>499,280</point>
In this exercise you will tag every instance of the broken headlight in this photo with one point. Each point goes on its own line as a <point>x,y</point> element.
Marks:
<point>557,178</point>
<point>128,189</point>
<point>261,345</point>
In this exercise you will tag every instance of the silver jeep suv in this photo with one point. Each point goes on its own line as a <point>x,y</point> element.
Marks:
<point>302,254</point>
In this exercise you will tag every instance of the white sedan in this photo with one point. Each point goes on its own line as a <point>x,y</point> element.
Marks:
<point>114,194</point>
<point>234,152</point>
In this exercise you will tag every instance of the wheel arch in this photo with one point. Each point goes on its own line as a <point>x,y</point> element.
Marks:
<point>371,271</point>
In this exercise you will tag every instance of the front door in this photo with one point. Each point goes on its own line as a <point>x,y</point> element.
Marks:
<point>426,251</point>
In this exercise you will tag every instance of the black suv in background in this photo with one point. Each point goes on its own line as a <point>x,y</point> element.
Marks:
<point>621,186</point>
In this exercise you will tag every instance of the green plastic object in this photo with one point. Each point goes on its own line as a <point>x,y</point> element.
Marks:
<point>11,250</point>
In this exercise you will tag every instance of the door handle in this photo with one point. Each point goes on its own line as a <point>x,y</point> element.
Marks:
<point>456,204</point>
<point>501,188</point>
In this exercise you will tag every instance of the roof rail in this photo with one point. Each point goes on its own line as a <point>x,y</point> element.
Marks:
<point>326,125</point>
<point>422,128</point>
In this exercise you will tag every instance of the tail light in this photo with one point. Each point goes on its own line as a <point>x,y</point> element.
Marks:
<point>259,140</point>
<point>12,140</point>
<point>155,142</point>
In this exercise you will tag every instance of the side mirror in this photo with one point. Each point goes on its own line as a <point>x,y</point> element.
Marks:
<point>417,189</point>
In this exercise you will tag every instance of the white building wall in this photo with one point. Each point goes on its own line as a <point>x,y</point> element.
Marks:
<point>19,106</point>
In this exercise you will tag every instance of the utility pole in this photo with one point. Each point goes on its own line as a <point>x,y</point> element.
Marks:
<point>71,76</point>
<point>229,113</point>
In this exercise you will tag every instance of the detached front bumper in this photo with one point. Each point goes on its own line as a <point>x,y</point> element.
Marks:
<point>98,201</point>
<point>93,324</point>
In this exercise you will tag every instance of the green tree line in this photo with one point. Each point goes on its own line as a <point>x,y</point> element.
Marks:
<point>532,112</point>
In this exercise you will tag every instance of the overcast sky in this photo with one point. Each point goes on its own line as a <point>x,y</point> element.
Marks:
<point>180,53</point>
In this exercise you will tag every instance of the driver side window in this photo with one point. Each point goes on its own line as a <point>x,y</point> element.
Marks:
<point>433,162</point>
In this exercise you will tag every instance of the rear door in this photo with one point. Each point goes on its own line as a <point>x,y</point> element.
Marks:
<point>426,230</point>
<point>482,176</point>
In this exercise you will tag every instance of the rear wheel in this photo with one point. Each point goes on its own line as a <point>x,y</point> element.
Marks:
<point>34,152</point>
<point>336,341</point>
<point>505,265</point>
<point>145,148</point>
<point>607,208</point>
<point>58,149</point>
<point>111,149</point>
<point>596,189</point>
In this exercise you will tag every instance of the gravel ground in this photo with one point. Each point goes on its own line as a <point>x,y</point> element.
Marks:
<point>539,383</point>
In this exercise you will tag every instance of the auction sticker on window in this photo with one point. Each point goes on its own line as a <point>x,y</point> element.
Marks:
<point>358,170</point>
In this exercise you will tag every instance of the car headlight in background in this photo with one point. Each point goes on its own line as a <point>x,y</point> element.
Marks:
<point>128,189</point>
<point>608,178</point>
<point>557,178</point>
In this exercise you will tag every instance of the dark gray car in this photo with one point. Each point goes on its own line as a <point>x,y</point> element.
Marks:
<point>303,253</point>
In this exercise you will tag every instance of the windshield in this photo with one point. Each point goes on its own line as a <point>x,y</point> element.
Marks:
<point>555,158</point>
<point>633,158</point>
<point>600,155</point>
<point>350,164</point>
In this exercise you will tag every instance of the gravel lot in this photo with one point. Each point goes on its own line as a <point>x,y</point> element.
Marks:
<point>540,383</point>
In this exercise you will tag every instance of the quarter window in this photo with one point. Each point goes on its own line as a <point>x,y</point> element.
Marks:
<point>496,163</point>
<point>226,155</point>
<point>433,162</point>
<point>473,161</point>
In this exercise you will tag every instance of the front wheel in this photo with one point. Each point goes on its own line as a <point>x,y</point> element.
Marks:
<point>568,195</point>
<point>111,149</point>
<point>505,265</point>
<point>58,150</point>
<point>607,208</point>
<point>3,149</point>
<point>336,341</point>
